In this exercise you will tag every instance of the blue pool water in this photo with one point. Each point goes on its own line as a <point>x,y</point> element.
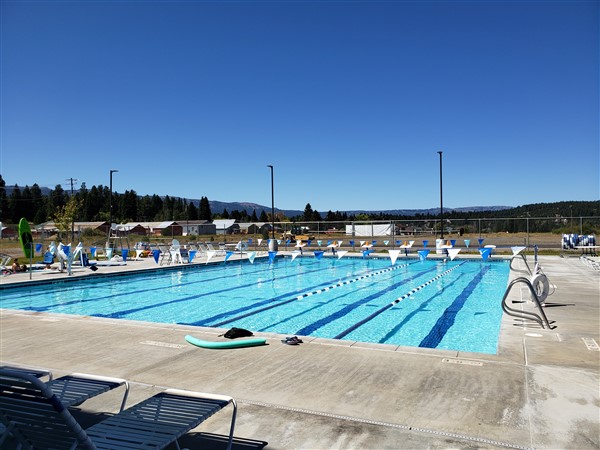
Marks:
<point>436,304</point>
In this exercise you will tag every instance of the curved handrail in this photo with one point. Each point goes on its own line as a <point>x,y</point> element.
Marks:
<point>529,272</point>
<point>541,320</point>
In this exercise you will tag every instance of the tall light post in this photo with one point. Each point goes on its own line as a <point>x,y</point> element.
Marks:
<point>441,201</point>
<point>273,244</point>
<point>110,203</point>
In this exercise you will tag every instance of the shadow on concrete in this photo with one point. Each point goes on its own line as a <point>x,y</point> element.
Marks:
<point>192,440</point>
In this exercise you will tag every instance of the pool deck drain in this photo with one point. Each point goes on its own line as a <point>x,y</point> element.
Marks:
<point>537,392</point>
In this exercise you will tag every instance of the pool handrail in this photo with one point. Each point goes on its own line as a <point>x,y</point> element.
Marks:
<point>541,319</point>
<point>529,272</point>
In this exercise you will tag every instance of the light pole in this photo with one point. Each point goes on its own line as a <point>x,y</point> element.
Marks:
<point>73,180</point>
<point>441,201</point>
<point>273,245</point>
<point>110,203</point>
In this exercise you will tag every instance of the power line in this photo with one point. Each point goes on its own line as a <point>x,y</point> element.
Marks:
<point>72,180</point>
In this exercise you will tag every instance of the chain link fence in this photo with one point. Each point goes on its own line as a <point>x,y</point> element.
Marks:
<point>543,232</point>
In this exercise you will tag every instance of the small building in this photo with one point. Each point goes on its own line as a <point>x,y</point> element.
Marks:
<point>49,228</point>
<point>125,229</point>
<point>254,227</point>
<point>168,228</point>
<point>226,226</point>
<point>197,227</point>
<point>8,232</point>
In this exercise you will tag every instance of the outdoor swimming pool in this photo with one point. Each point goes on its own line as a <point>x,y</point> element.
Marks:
<point>433,303</point>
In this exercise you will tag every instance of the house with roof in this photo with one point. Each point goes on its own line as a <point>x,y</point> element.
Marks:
<point>49,228</point>
<point>197,227</point>
<point>254,227</point>
<point>125,229</point>
<point>226,226</point>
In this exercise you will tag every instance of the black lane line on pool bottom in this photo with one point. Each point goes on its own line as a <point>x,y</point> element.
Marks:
<point>119,314</point>
<point>307,330</point>
<point>448,317</point>
<point>93,284</point>
<point>379,311</point>
<point>328,287</point>
<point>269,302</point>
<point>123,294</point>
<point>193,297</point>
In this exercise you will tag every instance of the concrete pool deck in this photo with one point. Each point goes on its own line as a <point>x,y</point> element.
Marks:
<point>540,391</point>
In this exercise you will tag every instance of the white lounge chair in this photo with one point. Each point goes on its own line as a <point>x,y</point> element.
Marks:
<point>165,255</point>
<point>37,418</point>
<point>5,261</point>
<point>218,252</point>
<point>178,253</point>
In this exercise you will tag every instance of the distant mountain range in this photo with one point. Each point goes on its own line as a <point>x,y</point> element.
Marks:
<point>218,207</point>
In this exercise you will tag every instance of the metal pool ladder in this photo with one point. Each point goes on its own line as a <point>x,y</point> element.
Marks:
<point>541,318</point>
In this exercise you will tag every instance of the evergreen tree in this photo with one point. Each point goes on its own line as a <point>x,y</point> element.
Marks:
<point>308,213</point>
<point>39,205</point>
<point>27,204</point>
<point>144,209</point>
<point>15,205</point>
<point>204,212</point>
<point>81,197</point>
<point>167,210</point>
<point>253,218</point>
<point>4,216</point>
<point>178,209</point>
<point>192,212</point>
<point>129,206</point>
<point>263,216</point>
<point>157,207</point>
<point>93,206</point>
<point>225,214</point>
<point>58,197</point>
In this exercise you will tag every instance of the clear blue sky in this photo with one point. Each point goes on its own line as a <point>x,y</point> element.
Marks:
<point>349,100</point>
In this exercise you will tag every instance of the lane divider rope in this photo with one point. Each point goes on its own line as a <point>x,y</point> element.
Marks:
<point>353,280</point>
<point>399,299</point>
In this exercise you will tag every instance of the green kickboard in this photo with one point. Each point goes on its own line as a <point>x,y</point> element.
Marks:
<point>237,343</point>
<point>25,238</point>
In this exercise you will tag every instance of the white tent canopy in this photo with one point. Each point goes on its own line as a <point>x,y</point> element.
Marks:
<point>375,229</point>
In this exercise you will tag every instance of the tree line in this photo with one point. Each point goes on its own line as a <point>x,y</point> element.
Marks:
<point>92,205</point>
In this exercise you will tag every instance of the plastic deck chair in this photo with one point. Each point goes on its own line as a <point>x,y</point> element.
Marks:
<point>37,418</point>
<point>76,388</point>
<point>71,390</point>
<point>165,253</point>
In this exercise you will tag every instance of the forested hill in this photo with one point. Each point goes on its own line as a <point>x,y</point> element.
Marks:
<point>40,204</point>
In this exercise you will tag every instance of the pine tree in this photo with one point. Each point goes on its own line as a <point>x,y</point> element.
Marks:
<point>27,204</point>
<point>204,212</point>
<point>39,204</point>
<point>3,201</point>
<point>192,212</point>
<point>15,205</point>
<point>308,213</point>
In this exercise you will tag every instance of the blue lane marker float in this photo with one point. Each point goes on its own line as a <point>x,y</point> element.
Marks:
<point>399,299</point>
<point>353,280</point>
